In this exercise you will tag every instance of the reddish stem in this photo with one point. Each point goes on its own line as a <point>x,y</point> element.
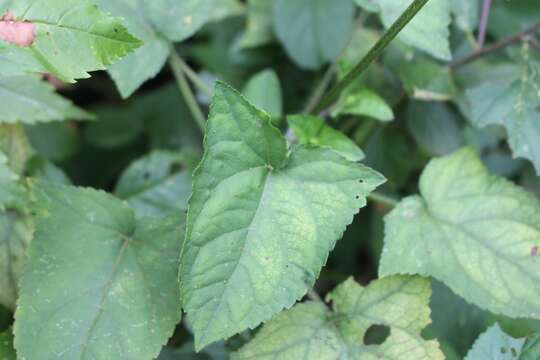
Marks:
<point>486,7</point>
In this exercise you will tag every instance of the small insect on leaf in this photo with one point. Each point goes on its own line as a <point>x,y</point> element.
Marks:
<point>21,33</point>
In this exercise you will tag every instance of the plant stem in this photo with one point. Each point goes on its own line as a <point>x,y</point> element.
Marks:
<point>383,199</point>
<point>176,65</point>
<point>195,78</point>
<point>495,47</point>
<point>486,7</point>
<point>373,53</point>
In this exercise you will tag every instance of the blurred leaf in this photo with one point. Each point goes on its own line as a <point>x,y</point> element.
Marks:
<point>14,144</point>
<point>54,141</point>
<point>311,130</point>
<point>223,9</point>
<point>494,344</point>
<point>264,91</point>
<point>159,184</point>
<point>466,13</point>
<point>435,127</point>
<point>363,102</point>
<point>117,125</point>
<point>427,31</point>
<point>369,5</point>
<point>7,352</point>
<point>30,100</point>
<point>259,24</point>
<point>313,32</point>
<point>509,17</point>
<point>514,102</point>
<point>41,168</point>
<point>531,349</point>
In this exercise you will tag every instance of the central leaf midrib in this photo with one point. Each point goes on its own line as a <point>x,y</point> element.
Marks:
<point>125,242</point>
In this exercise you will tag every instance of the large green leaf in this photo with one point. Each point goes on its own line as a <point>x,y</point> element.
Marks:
<point>477,233</point>
<point>514,102</point>
<point>313,31</point>
<point>312,331</point>
<point>158,184</point>
<point>311,130</point>
<point>29,100</point>
<point>494,344</point>
<point>427,31</point>
<point>260,221</point>
<point>72,37</point>
<point>259,24</point>
<point>97,284</point>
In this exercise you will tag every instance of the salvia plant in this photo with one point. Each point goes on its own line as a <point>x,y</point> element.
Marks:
<point>270,179</point>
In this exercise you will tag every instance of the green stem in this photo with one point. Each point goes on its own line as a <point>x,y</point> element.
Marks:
<point>383,199</point>
<point>313,296</point>
<point>176,65</point>
<point>373,53</point>
<point>195,78</point>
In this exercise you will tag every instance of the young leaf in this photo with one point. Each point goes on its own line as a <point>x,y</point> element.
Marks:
<point>260,221</point>
<point>514,102</point>
<point>29,100</point>
<point>264,91</point>
<point>97,283</point>
<point>477,233</point>
<point>7,352</point>
<point>72,37</point>
<point>311,130</point>
<point>363,102</point>
<point>494,344</point>
<point>313,31</point>
<point>259,25</point>
<point>312,331</point>
<point>158,184</point>
<point>428,31</point>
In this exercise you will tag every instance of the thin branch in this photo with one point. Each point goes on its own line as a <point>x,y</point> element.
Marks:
<point>486,8</point>
<point>176,65</point>
<point>373,54</point>
<point>383,199</point>
<point>195,78</point>
<point>495,47</point>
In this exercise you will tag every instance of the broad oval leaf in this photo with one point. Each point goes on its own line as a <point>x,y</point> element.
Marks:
<point>312,331</point>
<point>29,100</point>
<point>260,221</point>
<point>97,284</point>
<point>494,344</point>
<point>477,233</point>
<point>313,31</point>
<point>72,37</point>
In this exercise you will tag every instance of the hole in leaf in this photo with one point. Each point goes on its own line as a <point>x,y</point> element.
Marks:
<point>357,197</point>
<point>146,175</point>
<point>376,334</point>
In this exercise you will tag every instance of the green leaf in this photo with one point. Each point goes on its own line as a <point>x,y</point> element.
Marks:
<point>57,141</point>
<point>97,283</point>
<point>427,31</point>
<point>368,5</point>
<point>224,9</point>
<point>16,61</point>
<point>16,231</point>
<point>363,102</point>
<point>494,344</point>
<point>466,13</point>
<point>312,331</point>
<point>264,91</point>
<point>260,221</point>
<point>477,233</point>
<point>145,62</point>
<point>514,102</point>
<point>29,100</point>
<point>7,352</point>
<point>178,20</point>
<point>259,24</point>
<point>313,31</point>
<point>7,180</point>
<point>435,127</point>
<point>14,144</point>
<point>158,184</point>
<point>531,348</point>
<point>73,37</point>
<point>41,168</point>
<point>311,130</point>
